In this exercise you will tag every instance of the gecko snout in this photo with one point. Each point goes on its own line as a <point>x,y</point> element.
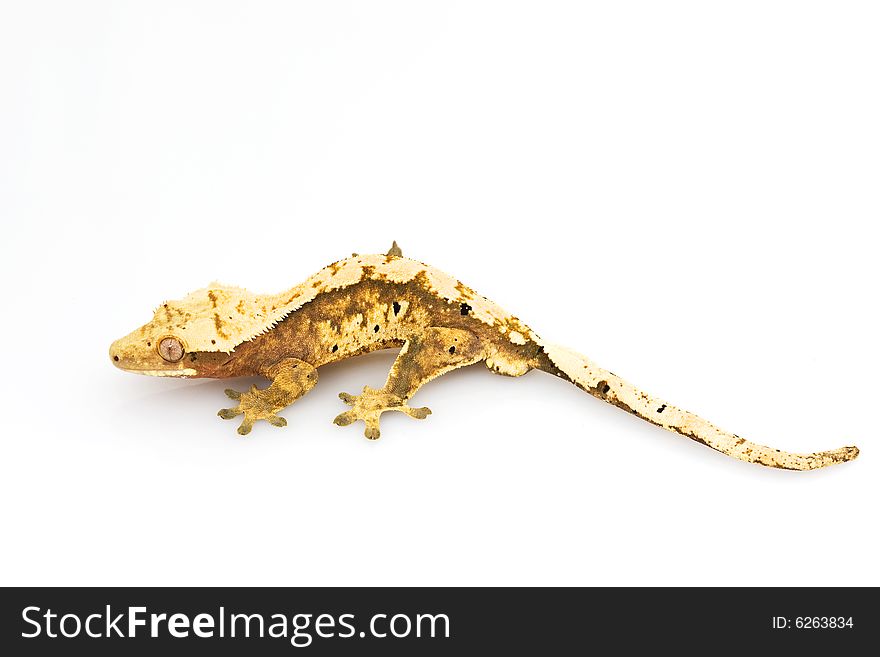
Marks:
<point>116,354</point>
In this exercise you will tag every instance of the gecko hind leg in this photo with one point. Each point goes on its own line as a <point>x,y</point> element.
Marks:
<point>426,356</point>
<point>370,405</point>
<point>291,379</point>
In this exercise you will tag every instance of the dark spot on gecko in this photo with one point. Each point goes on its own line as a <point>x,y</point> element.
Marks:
<point>335,348</point>
<point>465,309</point>
<point>662,408</point>
<point>376,328</point>
<point>116,358</point>
<point>603,386</point>
<point>452,349</point>
<point>396,307</point>
<point>213,342</point>
<point>149,344</point>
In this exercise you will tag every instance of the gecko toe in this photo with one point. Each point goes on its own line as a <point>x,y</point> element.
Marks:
<point>344,419</point>
<point>229,413</point>
<point>232,394</point>
<point>417,413</point>
<point>276,421</point>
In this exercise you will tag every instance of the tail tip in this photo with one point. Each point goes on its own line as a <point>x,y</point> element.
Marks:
<point>849,453</point>
<point>840,455</point>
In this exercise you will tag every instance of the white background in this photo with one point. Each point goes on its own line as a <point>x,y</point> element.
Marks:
<point>685,191</point>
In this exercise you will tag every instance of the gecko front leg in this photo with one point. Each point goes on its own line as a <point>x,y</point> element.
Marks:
<point>291,379</point>
<point>425,356</point>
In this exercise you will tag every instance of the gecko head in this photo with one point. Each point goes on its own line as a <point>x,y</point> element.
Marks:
<point>195,336</point>
<point>159,347</point>
<point>152,351</point>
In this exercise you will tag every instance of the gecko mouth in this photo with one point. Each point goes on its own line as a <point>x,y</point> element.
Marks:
<point>177,373</point>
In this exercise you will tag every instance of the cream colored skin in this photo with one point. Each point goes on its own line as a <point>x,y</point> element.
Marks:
<point>371,302</point>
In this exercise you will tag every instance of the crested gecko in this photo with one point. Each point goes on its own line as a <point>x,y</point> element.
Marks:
<point>370,302</point>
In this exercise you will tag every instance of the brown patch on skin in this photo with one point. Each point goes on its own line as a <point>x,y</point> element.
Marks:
<point>346,318</point>
<point>421,280</point>
<point>464,292</point>
<point>514,324</point>
<point>218,325</point>
<point>213,298</point>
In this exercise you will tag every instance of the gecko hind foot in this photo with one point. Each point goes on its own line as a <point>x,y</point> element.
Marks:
<point>370,405</point>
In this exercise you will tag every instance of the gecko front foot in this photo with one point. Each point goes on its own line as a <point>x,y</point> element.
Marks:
<point>291,379</point>
<point>254,406</point>
<point>370,405</point>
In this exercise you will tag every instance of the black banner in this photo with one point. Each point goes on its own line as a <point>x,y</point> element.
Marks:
<point>429,621</point>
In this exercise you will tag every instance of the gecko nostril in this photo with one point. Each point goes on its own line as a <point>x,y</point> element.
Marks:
<point>116,358</point>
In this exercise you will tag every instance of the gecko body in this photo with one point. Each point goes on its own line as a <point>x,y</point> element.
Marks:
<point>370,302</point>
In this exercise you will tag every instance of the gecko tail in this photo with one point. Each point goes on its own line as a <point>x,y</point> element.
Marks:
<point>601,383</point>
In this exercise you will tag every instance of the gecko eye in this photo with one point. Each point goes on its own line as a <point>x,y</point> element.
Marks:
<point>171,350</point>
